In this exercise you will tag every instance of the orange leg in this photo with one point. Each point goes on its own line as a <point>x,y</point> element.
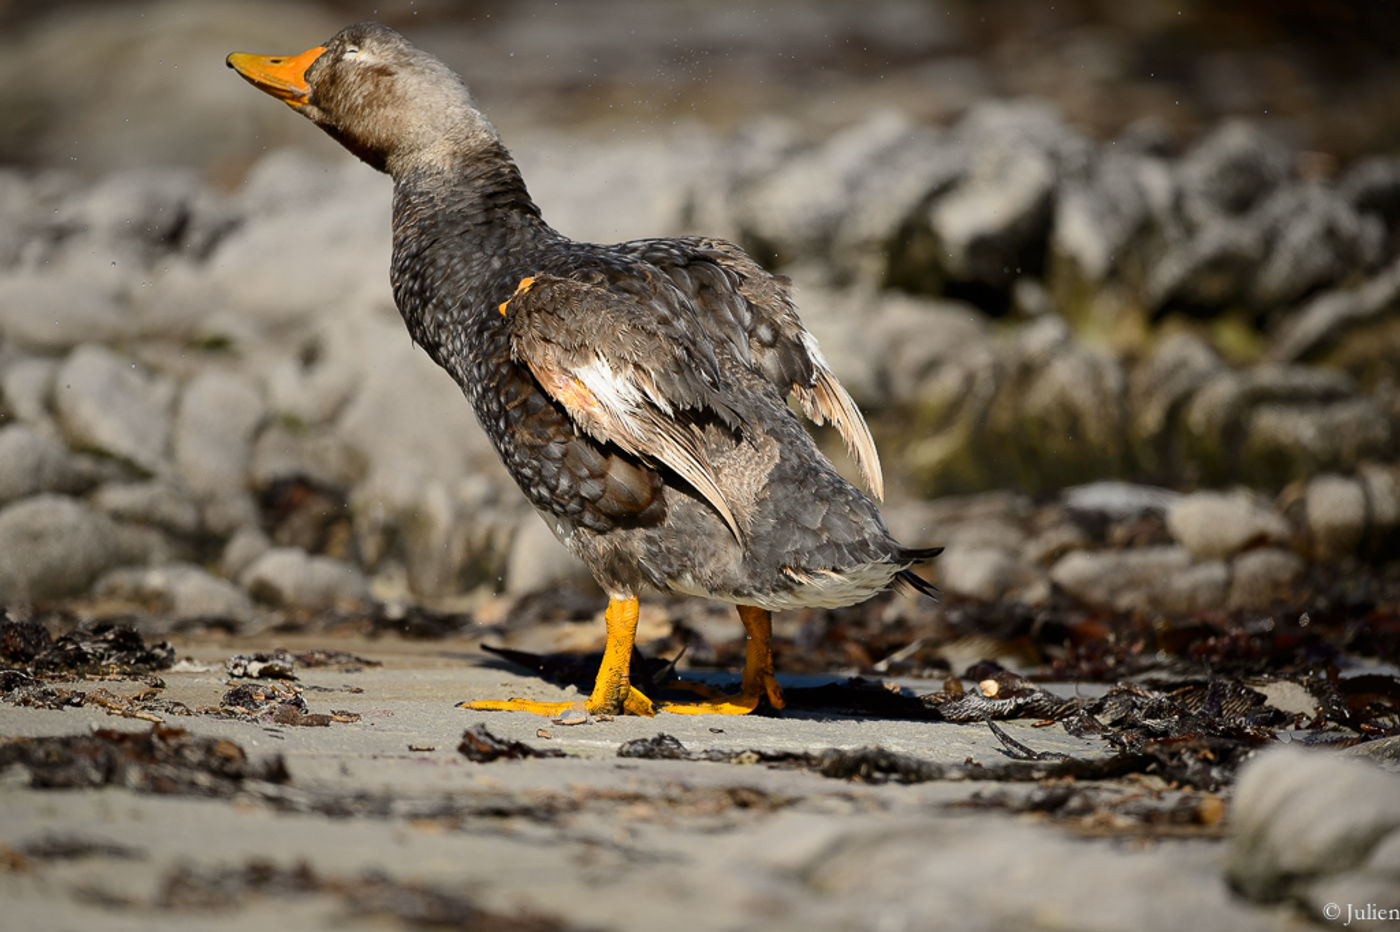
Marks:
<point>613,693</point>
<point>758,680</point>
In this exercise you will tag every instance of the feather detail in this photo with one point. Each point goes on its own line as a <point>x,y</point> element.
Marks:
<point>826,399</point>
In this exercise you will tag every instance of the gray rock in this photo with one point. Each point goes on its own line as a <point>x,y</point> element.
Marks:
<point>106,403</point>
<point>319,454</point>
<point>34,460</point>
<point>179,589</point>
<point>26,388</point>
<point>1317,828</point>
<point>241,549</point>
<point>990,573</point>
<point>1212,525</point>
<point>1233,168</point>
<point>55,547</point>
<point>1212,267</point>
<point>291,578</point>
<point>1372,186</point>
<point>1098,216</point>
<point>1150,579</point>
<point>794,211</point>
<point>996,219</point>
<point>155,503</point>
<point>1120,501</point>
<point>1288,441</point>
<point>1382,752</point>
<point>215,421</point>
<point>1349,327</point>
<point>1316,239</point>
<point>49,313</point>
<point>1180,365</point>
<point>1336,515</point>
<point>1382,487</point>
<point>1263,577</point>
<point>537,560</point>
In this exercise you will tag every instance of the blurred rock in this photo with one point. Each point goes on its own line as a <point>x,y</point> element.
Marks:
<point>1150,579</point>
<point>1211,525</point>
<point>1316,828</point>
<point>1336,514</point>
<point>26,388</point>
<point>991,573</point>
<point>179,589</point>
<point>286,577</point>
<point>1233,168</point>
<point>34,461</point>
<point>108,404</point>
<point>55,547</point>
<point>1263,577</point>
<point>1315,239</point>
<point>155,503</point>
<point>215,421</point>
<point>537,560</point>
<point>1351,328</point>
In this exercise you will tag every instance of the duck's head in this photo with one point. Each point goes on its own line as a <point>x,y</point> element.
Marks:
<point>393,105</point>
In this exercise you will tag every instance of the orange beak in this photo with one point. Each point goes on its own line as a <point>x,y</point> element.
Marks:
<point>283,78</point>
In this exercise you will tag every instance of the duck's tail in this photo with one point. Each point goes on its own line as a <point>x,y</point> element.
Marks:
<point>912,580</point>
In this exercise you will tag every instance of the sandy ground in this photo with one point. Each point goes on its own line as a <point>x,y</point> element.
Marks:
<point>588,840</point>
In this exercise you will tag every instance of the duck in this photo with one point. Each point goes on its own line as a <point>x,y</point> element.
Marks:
<point>638,392</point>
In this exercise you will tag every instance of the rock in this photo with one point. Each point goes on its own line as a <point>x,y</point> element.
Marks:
<point>1372,186</point>
<point>215,421</point>
<point>1270,424</point>
<point>1180,365</point>
<point>1315,239</point>
<point>179,589</point>
<point>242,549</point>
<point>1097,217</point>
<point>1120,501</point>
<point>1317,828</point>
<point>106,403</point>
<point>155,503</point>
<point>48,313</point>
<point>989,573</point>
<point>1350,328</point>
<point>1264,577</point>
<point>26,388</point>
<point>1149,579</point>
<point>794,211</point>
<point>318,454</point>
<point>1212,268</point>
<point>34,461</point>
<point>537,560</point>
<point>1233,168</point>
<point>1336,516</point>
<point>995,221</point>
<point>1212,525</point>
<point>291,578</point>
<point>1382,752</point>
<point>1382,487</point>
<point>55,547</point>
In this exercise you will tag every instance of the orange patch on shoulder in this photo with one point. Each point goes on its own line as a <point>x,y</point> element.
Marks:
<point>520,289</point>
<point>568,391</point>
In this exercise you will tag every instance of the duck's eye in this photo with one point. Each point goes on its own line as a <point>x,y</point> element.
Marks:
<point>351,52</point>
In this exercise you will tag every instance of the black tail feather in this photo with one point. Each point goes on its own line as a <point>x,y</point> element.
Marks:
<point>913,580</point>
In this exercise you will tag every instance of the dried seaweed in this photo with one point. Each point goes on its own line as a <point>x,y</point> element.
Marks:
<point>480,746</point>
<point>158,760</point>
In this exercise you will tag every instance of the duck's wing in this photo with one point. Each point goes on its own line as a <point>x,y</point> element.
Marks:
<point>742,304</point>
<point>634,371</point>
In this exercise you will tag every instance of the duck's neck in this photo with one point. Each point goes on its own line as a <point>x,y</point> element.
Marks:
<point>460,233</point>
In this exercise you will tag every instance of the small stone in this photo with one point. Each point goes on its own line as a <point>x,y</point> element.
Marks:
<point>55,547</point>
<point>213,432</point>
<point>1260,578</point>
<point>26,388</point>
<point>156,503</point>
<point>34,461</point>
<point>106,403</point>
<point>1307,823</point>
<point>1212,525</point>
<point>179,589</point>
<point>1149,579</point>
<point>290,577</point>
<point>989,573</point>
<point>1335,507</point>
